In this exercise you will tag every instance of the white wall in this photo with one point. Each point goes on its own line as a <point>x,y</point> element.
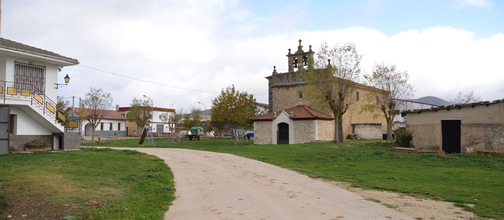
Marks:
<point>283,117</point>
<point>51,74</point>
<point>26,125</point>
<point>106,125</point>
<point>3,60</point>
<point>156,116</point>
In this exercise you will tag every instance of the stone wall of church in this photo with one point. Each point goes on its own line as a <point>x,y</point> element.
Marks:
<point>325,130</point>
<point>262,132</point>
<point>304,131</point>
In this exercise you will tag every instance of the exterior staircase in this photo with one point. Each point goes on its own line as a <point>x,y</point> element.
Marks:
<point>35,103</point>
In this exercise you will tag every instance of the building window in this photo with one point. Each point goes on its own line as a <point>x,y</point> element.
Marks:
<point>27,75</point>
<point>111,127</point>
<point>300,94</point>
<point>357,96</point>
<point>119,126</point>
<point>101,126</point>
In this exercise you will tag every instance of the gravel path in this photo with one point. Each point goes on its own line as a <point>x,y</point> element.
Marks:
<point>223,186</point>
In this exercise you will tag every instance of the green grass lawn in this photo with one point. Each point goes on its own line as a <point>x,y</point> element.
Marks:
<point>87,184</point>
<point>462,179</point>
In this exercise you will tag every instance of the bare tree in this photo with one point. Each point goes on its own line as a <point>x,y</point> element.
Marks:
<point>93,107</point>
<point>331,81</point>
<point>392,87</point>
<point>464,99</point>
<point>140,112</point>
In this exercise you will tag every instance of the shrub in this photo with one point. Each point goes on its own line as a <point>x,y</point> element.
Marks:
<point>37,144</point>
<point>403,137</point>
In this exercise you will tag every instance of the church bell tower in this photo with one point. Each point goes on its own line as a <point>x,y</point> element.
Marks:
<point>300,60</point>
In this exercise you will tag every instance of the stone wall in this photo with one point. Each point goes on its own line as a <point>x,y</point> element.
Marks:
<point>325,130</point>
<point>426,137</point>
<point>474,137</point>
<point>263,132</point>
<point>304,131</point>
<point>71,141</point>
<point>19,141</point>
<point>482,127</point>
<point>368,131</point>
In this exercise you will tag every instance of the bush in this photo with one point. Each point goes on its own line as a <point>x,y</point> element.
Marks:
<point>403,137</point>
<point>37,144</point>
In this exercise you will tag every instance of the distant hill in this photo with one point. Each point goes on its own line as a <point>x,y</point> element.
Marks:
<point>432,100</point>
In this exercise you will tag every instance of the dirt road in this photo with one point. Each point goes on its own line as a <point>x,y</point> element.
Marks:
<point>223,186</point>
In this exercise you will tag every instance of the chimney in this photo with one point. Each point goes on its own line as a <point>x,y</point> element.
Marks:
<point>117,106</point>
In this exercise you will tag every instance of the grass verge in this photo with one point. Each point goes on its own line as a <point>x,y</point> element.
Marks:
<point>87,184</point>
<point>461,179</point>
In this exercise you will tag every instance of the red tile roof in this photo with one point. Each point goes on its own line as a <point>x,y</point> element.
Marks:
<point>300,112</point>
<point>107,114</point>
<point>263,105</point>
<point>159,109</point>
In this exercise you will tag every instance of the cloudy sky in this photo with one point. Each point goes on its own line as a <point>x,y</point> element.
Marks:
<point>181,52</point>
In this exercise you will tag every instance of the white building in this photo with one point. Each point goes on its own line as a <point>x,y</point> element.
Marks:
<point>28,94</point>
<point>158,126</point>
<point>112,123</point>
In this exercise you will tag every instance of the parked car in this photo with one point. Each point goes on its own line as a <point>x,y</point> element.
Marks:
<point>195,132</point>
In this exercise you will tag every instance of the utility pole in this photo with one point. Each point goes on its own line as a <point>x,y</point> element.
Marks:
<point>73,102</point>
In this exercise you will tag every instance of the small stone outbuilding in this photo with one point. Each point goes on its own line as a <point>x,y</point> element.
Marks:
<point>466,128</point>
<point>299,124</point>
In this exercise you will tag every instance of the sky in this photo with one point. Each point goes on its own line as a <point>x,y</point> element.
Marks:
<point>182,53</point>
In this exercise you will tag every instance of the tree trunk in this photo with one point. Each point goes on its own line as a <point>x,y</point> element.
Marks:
<point>340,127</point>
<point>389,129</point>
<point>336,129</point>
<point>92,132</point>
<point>236,136</point>
<point>142,139</point>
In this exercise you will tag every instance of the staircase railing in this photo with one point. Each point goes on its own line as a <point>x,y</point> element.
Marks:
<point>28,92</point>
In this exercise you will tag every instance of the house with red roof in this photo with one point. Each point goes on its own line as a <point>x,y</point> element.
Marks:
<point>299,124</point>
<point>158,126</point>
<point>112,123</point>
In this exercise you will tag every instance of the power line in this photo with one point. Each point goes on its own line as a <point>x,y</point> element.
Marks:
<point>147,81</point>
<point>142,80</point>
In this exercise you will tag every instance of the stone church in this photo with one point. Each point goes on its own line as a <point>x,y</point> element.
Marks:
<point>291,121</point>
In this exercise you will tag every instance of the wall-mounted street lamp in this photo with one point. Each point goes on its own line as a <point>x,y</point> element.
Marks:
<point>59,85</point>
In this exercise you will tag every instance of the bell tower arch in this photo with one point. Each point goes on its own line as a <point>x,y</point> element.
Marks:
<point>300,60</point>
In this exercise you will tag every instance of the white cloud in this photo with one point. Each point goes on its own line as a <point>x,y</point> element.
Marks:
<point>475,3</point>
<point>210,46</point>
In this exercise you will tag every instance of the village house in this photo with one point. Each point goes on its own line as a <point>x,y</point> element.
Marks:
<point>158,126</point>
<point>285,91</point>
<point>28,89</point>
<point>466,128</point>
<point>112,123</point>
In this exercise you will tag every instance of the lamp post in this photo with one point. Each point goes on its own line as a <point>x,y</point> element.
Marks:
<point>203,105</point>
<point>59,85</point>
<point>152,102</point>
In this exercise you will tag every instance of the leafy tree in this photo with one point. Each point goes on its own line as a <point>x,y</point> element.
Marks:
<point>235,108</point>
<point>392,87</point>
<point>62,105</point>
<point>464,99</point>
<point>330,81</point>
<point>193,119</point>
<point>140,112</point>
<point>93,106</point>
